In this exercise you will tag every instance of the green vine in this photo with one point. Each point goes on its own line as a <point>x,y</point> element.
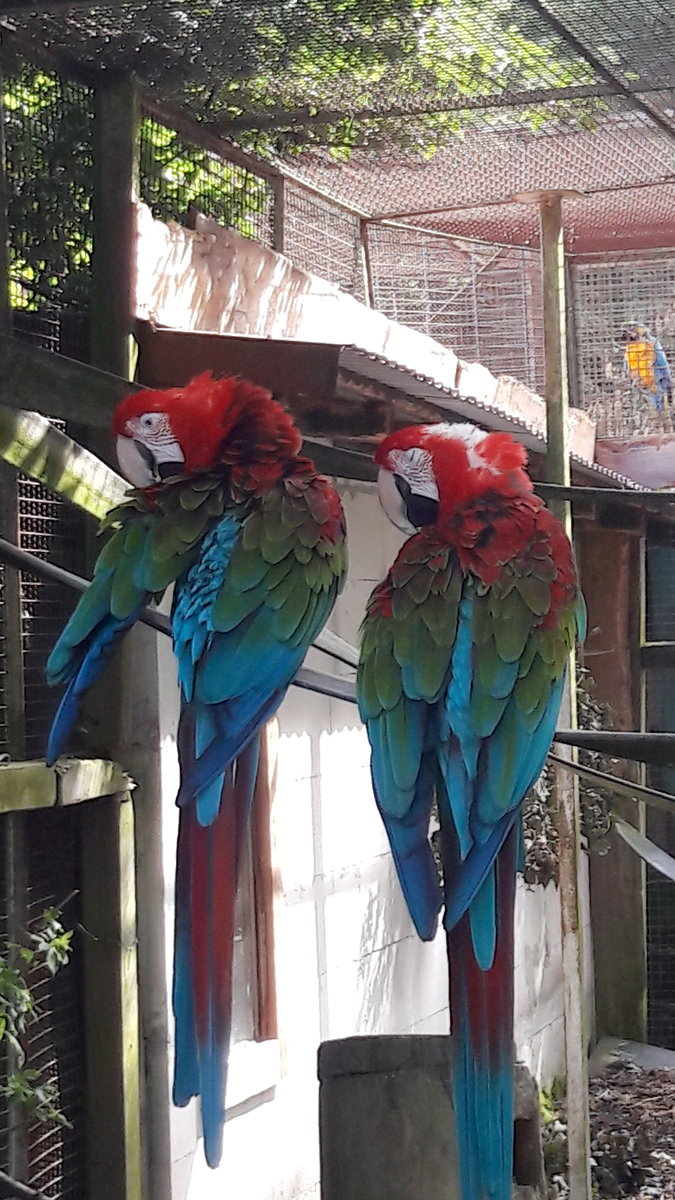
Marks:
<point>47,947</point>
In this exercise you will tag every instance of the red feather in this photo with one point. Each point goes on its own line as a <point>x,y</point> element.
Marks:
<point>222,422</point>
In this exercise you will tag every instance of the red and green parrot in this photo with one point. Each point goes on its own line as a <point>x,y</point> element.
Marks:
<point>227,509</point>
<point>463,657</point>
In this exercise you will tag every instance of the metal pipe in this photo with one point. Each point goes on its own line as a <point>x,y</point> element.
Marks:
<point>621,787</point>
<point>326,641</point>
<point>654,748</point>
<point>12,1187</point>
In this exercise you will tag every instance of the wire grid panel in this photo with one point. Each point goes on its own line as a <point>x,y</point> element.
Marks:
<point>322,238</point>
<point>49,128</point>
<point>483,301</point>
<point>660,697</point>
<point>56,1155</point>
<point>608,296</point>
<point>178,177</point>
<point>48,528</point>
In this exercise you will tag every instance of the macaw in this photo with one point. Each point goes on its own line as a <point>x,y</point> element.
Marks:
<point>462,666</point>
<point>645,364</point>
<point>227,509</point>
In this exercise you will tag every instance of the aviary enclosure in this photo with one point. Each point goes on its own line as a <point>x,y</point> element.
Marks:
<point>399,154</point>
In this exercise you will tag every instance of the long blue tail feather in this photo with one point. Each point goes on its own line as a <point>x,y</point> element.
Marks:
<point>481,1004</point>
<point>207,865</point>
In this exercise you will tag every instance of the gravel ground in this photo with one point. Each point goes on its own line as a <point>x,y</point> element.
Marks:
<point>632,1135</point>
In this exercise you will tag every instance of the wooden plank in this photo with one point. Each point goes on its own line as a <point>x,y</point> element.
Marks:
<point>27,785</point>
<point>114,253</point>
<point>567,792</point>
<point>89,778</point>
<point>37,380</point>
<point>113,1126</point>
<point>31,444</point>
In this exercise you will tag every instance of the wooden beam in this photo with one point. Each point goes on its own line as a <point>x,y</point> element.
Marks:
<point>25,786</point>
<point>567,793</point>
<point>31,444</point>
<point>114,254</point>
<point>37,380</point>
<point>113,1125</point>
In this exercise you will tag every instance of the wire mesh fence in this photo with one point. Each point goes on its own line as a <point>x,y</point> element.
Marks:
<point>48,865</point>
<point>56,1153</point>
<point>179,178</point>
<point>48,528</point>
<point>483,301</point>
<point>49,129</point>
<point>324,239</point>
<point>624,311</point>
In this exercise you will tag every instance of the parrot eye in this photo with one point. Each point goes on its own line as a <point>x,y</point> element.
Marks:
<point>150,420</point>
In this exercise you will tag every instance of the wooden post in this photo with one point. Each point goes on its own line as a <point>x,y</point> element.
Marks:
<point>364,245</point>
<point>617,878</point>
<point>113,1131</point>
<point>114,253</point>
<point>5,314</point>
<point>279,214</point>
<point>16,895</point>
<point>568,817</point>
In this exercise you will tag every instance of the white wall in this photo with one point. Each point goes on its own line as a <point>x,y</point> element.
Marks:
<point>347,959</point>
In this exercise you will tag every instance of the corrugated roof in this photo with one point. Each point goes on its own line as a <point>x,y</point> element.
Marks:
<point>423,387</point>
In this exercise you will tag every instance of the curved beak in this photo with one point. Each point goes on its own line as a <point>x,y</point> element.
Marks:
<point>407,509</point>
<point>143,467</point>
<point>392,501</point>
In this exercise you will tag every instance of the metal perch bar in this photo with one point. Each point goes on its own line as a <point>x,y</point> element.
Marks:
<point>12,1187</point>
<point>622,787</point>
<point>654,748</point>
<point>22,560</point>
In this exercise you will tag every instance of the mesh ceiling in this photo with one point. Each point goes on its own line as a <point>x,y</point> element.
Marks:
<point>397,106</point>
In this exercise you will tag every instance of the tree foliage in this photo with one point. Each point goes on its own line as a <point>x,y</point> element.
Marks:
<point>340,74</point>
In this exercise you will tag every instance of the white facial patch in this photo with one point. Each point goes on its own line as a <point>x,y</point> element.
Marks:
<point>416,467</point>
<point>463,432</point>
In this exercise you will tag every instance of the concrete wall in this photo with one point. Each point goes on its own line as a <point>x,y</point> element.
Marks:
<point>347,959</point>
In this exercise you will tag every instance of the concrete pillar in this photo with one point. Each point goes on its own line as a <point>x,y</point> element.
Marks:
<point>386,1119</point>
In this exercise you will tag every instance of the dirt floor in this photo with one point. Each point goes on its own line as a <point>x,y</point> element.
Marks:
<point>632,1134</point>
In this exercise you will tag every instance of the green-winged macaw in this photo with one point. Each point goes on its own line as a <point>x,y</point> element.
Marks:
<point>463,656</point>
<point>226,508</point>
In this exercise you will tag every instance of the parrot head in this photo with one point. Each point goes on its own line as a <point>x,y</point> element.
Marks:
<point>635,332</point>
<point>207,424</point>
<point>428,472</point>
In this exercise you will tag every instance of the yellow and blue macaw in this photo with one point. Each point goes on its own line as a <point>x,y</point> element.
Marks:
<point>646,365</point>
